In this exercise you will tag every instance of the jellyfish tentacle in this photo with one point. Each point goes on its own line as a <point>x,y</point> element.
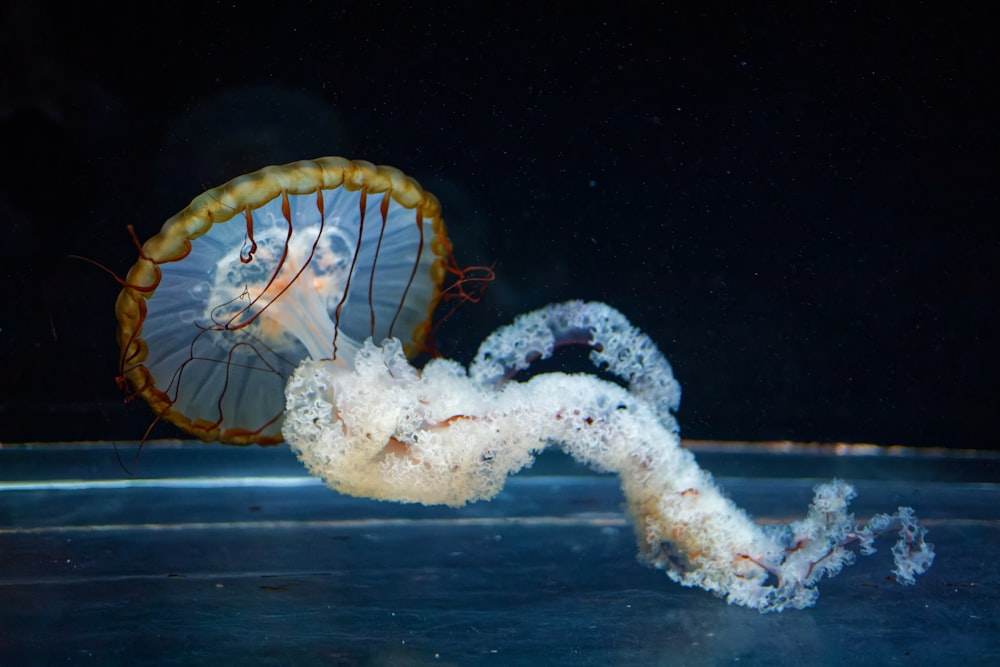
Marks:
<point>252,249</point>
<point>444,436</point>
<point>467,286</point>
<point>419,219</point>
<point>616,347</point>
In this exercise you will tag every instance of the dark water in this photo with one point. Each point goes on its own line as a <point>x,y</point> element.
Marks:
<point>222,555</point>
<point>799,206</point>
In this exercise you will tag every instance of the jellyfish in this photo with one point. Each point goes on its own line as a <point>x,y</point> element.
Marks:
<point>288,303</point>
<point>304,259</point>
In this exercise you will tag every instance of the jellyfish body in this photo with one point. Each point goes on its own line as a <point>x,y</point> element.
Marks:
<point>304,259</point>
<point>323,267</point>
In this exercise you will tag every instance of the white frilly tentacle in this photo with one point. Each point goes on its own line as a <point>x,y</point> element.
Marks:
<point>446,436</point>
<point>616,347</point>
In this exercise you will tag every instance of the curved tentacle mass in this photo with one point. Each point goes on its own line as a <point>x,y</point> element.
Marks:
<point>381,429</point>
<point>616,346</point>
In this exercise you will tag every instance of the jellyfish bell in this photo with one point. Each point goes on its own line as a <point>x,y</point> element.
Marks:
<point>304,259</point>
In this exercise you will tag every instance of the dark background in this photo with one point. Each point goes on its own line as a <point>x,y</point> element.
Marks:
<point>798,203</point>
